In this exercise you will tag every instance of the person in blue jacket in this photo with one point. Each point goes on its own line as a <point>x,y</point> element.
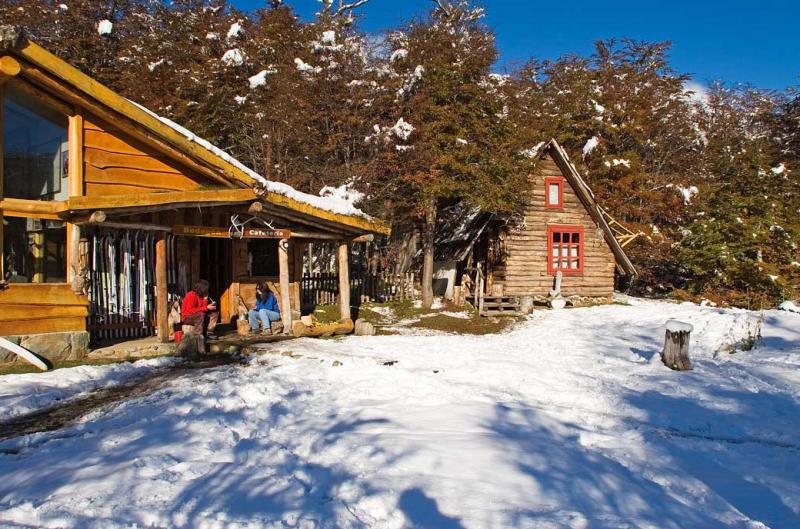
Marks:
<point>266,310</point>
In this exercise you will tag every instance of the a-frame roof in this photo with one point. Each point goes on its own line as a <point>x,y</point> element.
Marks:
<point>41,65</point>
<point>587,198</point>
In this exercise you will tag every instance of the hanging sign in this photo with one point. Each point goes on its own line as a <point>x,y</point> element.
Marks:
<point>223,233</point>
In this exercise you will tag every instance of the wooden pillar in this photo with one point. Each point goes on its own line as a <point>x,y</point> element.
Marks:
<point>75,189</point>
<point>2,244</point>
<point>344,279</point>
<point>283,274</point>
<point>162,308</point>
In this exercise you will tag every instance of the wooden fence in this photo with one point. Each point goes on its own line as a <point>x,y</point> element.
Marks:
<point>322,289</point>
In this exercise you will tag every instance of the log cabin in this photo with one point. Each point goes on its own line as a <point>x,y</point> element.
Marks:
<point>109,212</point>
<point>562,229</point>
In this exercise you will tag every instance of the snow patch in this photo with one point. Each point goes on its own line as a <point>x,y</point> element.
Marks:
<point>398,55</point>
<point>233,57</point>
<point>234,31</point>
<point>105,27</point>
<point>304,67</point>
<point>678,326</point>
<point>260,79</point>
<point>532,152</point>
<point>790,306</point>
<point>590,145</point>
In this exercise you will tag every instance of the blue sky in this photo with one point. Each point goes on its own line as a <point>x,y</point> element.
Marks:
<point>736,41</point>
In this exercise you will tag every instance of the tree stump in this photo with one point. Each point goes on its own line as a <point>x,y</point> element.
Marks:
<point>676,346</point>
<point>364,328</point>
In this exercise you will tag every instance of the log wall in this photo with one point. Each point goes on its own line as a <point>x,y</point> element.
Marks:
<point>523,268</point>
<point>41,308</point>
<point>116,164</point>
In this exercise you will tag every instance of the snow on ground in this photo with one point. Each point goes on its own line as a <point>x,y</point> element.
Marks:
<point>21,394</point>
<point>568,421</point>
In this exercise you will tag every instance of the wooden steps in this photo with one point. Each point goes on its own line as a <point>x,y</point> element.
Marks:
<point>498,305</point>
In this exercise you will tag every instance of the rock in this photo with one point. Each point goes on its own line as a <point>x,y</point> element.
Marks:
<point>80,345</point>
<point>336,363</point>
<point>54,346</point>
<point>364,328</point>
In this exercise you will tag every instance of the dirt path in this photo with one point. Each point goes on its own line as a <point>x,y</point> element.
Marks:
<point>59,416</point>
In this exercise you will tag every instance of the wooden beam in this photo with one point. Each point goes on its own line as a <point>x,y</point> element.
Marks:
<point>118,104</point>
<point>143,226</point>
<point>344,279</point>
<point>203,198</point>
<point>283,275</point>
<point>21,84</point>
<point>329,236</point>
<point>33,207</point>
<point>162,309</point>
<point>9,68</point>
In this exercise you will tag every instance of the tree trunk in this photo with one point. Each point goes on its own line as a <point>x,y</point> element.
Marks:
<point>428,234</point>
<point>676,346</point>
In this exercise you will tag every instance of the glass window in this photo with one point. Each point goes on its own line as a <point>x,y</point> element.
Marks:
<point>35,250</point>
<point>554,191</point>
<point>554,187</point>
<point>263,257</point>
<point>35,149</point>
<point>565,249</point>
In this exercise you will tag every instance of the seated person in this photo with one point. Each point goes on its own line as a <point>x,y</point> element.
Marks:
<point>198,312</point>
<point>266,310</point>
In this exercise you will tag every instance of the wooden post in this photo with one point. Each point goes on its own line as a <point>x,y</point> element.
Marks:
<point>75,179</point>
<point>2,244</point>
<point>162,305</point>
<point>283,273</point>
<point>676,346</point>
<point>344,279</point>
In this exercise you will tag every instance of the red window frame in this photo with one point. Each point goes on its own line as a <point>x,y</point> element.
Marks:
<point>560,182</point>
<point>569,259</point>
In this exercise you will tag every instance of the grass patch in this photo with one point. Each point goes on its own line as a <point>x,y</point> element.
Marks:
<point>19,368</point>
<point>474,325</point>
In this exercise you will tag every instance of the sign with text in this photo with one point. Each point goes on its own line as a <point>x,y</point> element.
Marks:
<point>222,233</point>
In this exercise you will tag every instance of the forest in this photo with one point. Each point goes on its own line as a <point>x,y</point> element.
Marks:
<point>420,116</point>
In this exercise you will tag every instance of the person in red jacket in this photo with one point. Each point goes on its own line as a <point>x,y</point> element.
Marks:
<point>198,312</point>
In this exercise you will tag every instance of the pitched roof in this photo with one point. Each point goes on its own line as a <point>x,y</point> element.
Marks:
<point>587,198</point>
<point>237,174</point>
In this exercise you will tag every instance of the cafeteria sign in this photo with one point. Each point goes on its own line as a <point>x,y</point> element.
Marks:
<point>223,233</point>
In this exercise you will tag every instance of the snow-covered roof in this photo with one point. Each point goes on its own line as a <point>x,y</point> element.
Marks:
<point>332,203</point>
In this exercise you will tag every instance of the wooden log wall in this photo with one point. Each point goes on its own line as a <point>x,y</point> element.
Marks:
<point>524,269</point>
<point>116,164</point>
<point>39,308</point>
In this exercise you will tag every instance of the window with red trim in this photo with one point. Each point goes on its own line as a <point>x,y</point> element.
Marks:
<point>565,249</point>
<point>554,192</point>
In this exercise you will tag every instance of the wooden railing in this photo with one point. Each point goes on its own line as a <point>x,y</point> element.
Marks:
<point>322,289</point>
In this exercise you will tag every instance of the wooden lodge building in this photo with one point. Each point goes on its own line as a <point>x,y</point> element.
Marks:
<point>561,229</point>
<point>108,212</point>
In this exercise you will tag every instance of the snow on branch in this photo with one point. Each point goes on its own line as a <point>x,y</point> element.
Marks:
<point>327,6</point>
